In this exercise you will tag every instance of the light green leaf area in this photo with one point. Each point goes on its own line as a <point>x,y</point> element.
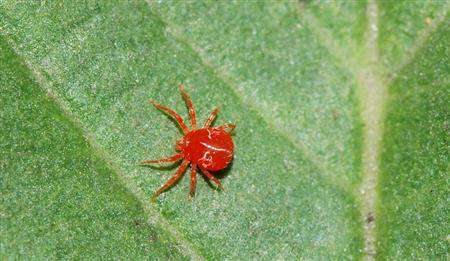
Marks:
<point>278,70</point>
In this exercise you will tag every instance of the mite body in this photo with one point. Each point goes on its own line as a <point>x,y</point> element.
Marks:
<point>207,148</point>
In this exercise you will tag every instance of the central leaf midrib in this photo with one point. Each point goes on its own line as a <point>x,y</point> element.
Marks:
<point>373,99</point>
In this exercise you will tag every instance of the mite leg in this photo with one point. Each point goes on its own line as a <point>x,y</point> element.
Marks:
<point>211,118</point>
<point>193,180</point>
<point>190,106</point>
<point>228,126</point>
<point>165,160</point>
<point>211,177</point>
<point>172,180</point>
<point>173,114</point>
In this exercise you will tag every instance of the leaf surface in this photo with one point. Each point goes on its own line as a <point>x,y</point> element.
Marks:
<point>300,80</point>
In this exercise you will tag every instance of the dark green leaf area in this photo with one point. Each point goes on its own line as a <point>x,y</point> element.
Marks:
<point>414,185</point>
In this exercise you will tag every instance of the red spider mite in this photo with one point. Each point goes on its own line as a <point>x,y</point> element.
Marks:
<point>208,148</point>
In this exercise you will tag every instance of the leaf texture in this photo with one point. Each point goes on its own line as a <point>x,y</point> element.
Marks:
<point>308,84</point>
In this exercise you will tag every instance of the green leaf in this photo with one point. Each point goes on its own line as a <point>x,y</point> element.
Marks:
<point>341,141</point>
<point>414,182</point>
<point>59,198</point>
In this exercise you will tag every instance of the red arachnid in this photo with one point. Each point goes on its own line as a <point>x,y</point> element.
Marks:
<point>207,148</point>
